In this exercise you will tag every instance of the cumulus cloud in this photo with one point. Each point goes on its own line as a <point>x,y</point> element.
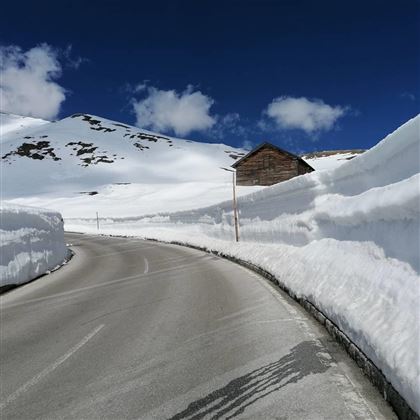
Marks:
<point>309,115</point>
<point>27,81</point>
<point>169,110</point>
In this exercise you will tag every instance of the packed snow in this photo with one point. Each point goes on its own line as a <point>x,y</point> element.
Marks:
<point>345,239</point>
<point>31,243</point>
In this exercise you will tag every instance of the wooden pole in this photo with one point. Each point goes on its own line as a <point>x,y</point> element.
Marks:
<point>235,209</point>
<point>97,220</point>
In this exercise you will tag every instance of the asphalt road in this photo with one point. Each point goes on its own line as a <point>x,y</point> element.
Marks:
<point>134,329</point>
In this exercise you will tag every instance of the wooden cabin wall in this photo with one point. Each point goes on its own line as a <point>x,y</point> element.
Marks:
<point>303,169</point>
<point>266,167</point>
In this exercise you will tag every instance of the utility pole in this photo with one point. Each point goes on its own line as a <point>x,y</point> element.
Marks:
<point>97,220</point>
<point>235,207</point>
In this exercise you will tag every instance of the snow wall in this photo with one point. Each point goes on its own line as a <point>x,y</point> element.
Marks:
<point>31,243</point>
<point>346,240</point>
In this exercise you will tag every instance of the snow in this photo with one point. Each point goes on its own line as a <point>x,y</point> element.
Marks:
<point>141,173</point>
<point>31,243</point>
<point>322,161</point>
<point>129,172</point>
<point>345,239</point>
<point>10,123</point>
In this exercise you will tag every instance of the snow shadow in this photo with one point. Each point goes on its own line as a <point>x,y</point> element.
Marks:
<point>233,398</point>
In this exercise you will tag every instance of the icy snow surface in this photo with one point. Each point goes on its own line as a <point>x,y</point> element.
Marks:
<point>345,239</point>
<point>31,243</point>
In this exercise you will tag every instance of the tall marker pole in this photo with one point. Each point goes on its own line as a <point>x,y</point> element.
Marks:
<point>235,208</point>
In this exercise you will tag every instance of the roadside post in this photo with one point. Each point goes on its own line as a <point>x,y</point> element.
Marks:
<point>235,207</point>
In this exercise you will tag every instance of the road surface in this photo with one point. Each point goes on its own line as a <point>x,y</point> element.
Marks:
<point>135,329</point>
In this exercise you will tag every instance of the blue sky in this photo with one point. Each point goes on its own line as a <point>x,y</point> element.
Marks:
<point>305,75</point>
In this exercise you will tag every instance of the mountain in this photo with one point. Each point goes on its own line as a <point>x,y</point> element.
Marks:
<point>85,164</point>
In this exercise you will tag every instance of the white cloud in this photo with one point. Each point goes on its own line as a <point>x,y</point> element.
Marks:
<point>182,113</point>
<point>310,115</point>
<point>27,81</point>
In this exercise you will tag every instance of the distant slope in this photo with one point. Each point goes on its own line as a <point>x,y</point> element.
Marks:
<point>11,123</point>
<point>84,163</point>
<point>84,151</point>
<point>88,163</point>
<point>330,159</point>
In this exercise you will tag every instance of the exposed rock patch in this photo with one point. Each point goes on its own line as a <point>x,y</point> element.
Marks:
<point>81,148</point>
<point>234,155</point>
<point>38,150</point>
<point>88,192</point>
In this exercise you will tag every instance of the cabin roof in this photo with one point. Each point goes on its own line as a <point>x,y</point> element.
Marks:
<point>272,146</point>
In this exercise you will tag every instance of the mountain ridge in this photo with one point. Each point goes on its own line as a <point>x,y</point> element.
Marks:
<point>86,163</point>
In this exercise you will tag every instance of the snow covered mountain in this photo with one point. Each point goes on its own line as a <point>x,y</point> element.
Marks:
<point>84,164</point>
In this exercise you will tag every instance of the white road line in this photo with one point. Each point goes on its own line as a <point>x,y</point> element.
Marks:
<point>94,286</point>
<point>146,266</point>
<point>124,252</point>
<point>12,397</point>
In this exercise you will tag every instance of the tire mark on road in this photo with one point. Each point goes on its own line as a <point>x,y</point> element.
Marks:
<point>37,378</point>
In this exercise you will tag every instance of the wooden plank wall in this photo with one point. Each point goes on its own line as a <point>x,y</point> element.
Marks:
<point>269,166</point>
<point>304,169</point>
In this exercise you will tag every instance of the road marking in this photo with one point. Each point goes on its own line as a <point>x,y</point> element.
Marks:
<point>125,252</point>
<point>94,286</point>
<point>146,266</point>
<point>37,378</point>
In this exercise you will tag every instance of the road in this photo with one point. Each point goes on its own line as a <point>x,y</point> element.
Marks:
<point>135,329</point>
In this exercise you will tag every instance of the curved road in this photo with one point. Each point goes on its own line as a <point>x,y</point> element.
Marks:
<point>135,329</point>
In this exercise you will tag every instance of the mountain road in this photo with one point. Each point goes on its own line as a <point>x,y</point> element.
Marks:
<point>136,329</point>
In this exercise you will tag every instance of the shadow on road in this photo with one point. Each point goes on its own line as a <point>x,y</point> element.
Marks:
<point>232,399</point>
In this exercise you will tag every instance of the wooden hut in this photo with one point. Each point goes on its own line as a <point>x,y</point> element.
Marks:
<point>267,165</point>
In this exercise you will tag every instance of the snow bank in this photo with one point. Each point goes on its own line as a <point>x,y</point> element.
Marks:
<point>32,243</point>
<point>346,240</point>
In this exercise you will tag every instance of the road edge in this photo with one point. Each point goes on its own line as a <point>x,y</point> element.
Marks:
<point>369,369</point>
